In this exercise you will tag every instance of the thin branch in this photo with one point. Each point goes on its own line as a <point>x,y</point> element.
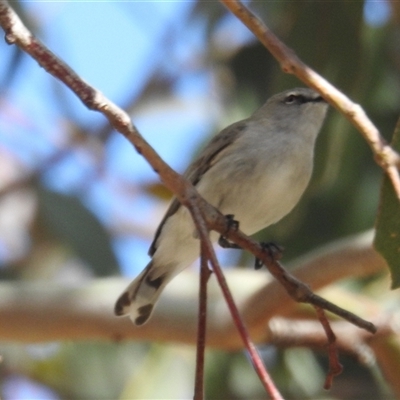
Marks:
<point>202,324</point>
<point>17,33</point>
<point>348,257</point>
<point>334,366</point>
<point>385,156</point>
<point>298,290</point>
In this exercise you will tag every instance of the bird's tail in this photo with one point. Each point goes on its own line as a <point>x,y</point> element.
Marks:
<point>141,295</point>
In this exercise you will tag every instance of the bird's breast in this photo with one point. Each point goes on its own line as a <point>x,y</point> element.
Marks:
<point>259,190</point>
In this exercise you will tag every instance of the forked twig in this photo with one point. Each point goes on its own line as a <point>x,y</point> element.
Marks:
<point>298,290</point>
<point>251,348</point>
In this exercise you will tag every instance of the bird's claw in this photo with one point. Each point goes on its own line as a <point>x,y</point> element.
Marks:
<point>234,225</point>
<point>274,250</point>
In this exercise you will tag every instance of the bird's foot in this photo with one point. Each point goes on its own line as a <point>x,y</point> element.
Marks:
<point>232,224</point>
<point>274,250</point>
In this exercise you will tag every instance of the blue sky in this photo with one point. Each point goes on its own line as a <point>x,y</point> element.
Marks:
<point>112,45</point>
<point>116,47</point>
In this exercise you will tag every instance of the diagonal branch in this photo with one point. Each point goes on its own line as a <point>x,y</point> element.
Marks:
<point>387,158</point>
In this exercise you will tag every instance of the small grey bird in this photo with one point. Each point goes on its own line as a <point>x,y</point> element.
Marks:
<point>255,169</point>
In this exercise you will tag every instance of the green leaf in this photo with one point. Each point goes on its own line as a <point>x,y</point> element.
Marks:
<point>70,221</point>
<point>387,236</point>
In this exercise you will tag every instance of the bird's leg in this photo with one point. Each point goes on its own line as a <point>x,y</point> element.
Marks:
<point>274,251</point>
<point>232,224</point>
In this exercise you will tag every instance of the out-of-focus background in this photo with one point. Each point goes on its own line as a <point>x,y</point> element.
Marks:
<point>77,202</point>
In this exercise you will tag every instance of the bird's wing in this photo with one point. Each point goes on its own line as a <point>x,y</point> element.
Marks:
<point>200,166</point>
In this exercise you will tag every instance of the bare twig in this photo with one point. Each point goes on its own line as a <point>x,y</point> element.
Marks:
<point>17,33</point>
<point>350,256</point>
<point>202,325</point>
<point>285,332</point>
<point>299,291</point>
<point>385,156</point>
<point>334,366</point>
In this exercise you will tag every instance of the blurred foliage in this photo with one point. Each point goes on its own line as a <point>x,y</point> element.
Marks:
<point>332,37</point>
<point>65,218</point>
<point>388,224</point>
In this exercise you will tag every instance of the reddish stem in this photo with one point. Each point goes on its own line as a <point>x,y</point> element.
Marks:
<point>335,368</point>
<point>254,355</point>
<point>202,326</point>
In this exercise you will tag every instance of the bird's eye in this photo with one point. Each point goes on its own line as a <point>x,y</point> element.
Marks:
<point>291,99</point>
<point>295,99</point>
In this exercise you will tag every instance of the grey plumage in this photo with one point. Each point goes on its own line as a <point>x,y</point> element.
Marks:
<point>256,169</point>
